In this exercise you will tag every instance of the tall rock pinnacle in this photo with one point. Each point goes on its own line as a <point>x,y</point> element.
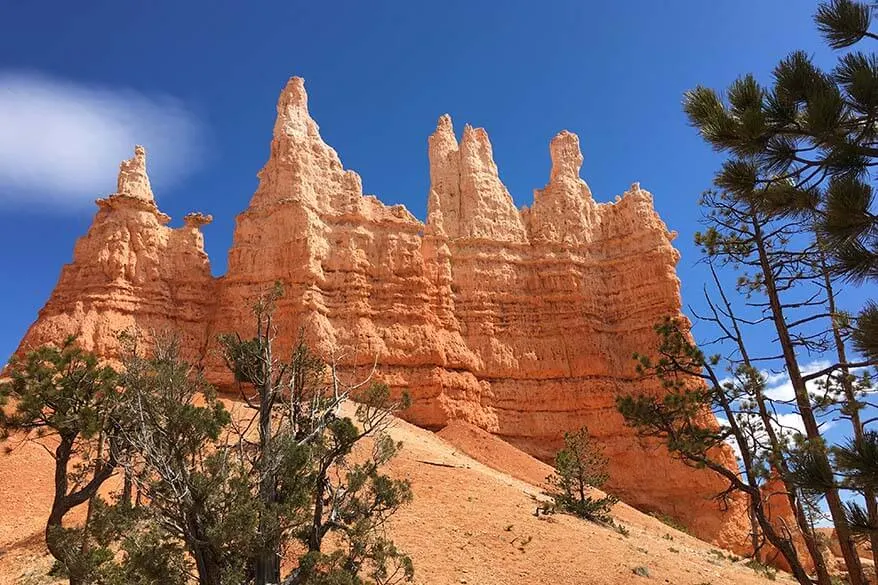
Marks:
<point>133,191</point>
<point>563,211</point>
<point>466,191</point>
<point>301,166</point>
<point>486,208</point>
<point>566,159</point>
<point>293,118</point>
<point>443,205</point>
<point>131,271</point>
<point>133,180</point>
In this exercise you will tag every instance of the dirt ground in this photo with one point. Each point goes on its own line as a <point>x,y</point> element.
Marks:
<point>472,522</point>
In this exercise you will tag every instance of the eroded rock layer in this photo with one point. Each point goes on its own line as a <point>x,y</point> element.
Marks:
<point>131,272</point>
<point>522,322</point>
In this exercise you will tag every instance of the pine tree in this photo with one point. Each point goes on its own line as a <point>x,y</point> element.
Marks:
<point>64,398</point>
<point>802,148</point>
<point>680,419</point>
<point>193,488</point>
<point>813,136</point>
<point>581,467</point>
<point>307,483</point>
<point>202,472</point>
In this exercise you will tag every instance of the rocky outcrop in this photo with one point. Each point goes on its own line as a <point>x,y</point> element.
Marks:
<point>131,271</point>
<point>521,322</point>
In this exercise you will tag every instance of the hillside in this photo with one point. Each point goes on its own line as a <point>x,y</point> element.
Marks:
<point>469,523</point>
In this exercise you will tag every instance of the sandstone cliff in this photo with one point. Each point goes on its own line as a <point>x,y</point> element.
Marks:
<point>131,271</point>
<point>522,322</point>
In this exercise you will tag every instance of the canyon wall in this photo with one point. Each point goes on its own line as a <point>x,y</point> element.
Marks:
<point>522,322</point>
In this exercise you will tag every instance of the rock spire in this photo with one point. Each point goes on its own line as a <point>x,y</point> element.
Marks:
<point>131,272</point>
<point>564,211</point>
<point>521,322</point>
<point>133,180</point>
<point>465,187</point>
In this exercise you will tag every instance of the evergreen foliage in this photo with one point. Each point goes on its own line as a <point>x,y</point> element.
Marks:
<point>806,144</point>
<point>680,419</point>
<point>209,493</point>
<point>304,475</point>
<point>793,215</point>
<point>579,467</point>
<point>65,399</point>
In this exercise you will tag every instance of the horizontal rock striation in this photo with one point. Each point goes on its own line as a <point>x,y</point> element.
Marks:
<point>522,322</point>
<point>131,272</point>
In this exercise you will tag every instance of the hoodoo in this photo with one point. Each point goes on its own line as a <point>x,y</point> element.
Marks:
<point>522,322</point>
<point>129,270</point>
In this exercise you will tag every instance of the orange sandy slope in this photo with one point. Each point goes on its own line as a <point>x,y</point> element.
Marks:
<point>472,521</point>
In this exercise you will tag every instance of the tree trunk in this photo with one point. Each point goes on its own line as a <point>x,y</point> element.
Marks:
<point>209,572</point>
<point>315,539</point>
<point>823,577</point>
<point>53,527</point>
<point>268,559</point>
<point>851,398</point>
<point>60,506</point>
<point>90,506</point>
<point>754,494</point>
<point>786,548</point>
<point>754,530</point>
<point>127,487</point>
<point>803,402</point>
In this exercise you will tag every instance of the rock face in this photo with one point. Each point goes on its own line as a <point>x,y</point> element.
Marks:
<point>522,322</point>
<point>131,270</point>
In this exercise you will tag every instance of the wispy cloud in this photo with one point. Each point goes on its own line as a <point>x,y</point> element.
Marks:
<point>61,142</point>
<point>780,388</point>
<point>786,425</point>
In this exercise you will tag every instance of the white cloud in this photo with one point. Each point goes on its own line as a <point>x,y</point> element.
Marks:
<point>62,142</point>
<point>785,425</point>
<point>772,378</point>
<point>779,387</point>
<point>791,422</point>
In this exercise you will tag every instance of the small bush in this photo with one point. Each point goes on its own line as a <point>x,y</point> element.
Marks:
<point>580,466</point>
<point>669,521</point>
<point>769,573</point>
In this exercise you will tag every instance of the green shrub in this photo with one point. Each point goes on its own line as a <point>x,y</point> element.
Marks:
<point>580,466</point>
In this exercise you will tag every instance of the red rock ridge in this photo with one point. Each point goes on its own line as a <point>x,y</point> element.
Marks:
<point>522,322</point>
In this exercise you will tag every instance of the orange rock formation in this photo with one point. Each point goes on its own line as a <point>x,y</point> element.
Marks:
<point>522,322</point>
<point>131,270</point>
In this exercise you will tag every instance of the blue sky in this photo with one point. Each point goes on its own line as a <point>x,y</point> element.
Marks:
<point>197,82</point>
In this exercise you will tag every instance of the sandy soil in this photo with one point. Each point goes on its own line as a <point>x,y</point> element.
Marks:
<point>472,522</point>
